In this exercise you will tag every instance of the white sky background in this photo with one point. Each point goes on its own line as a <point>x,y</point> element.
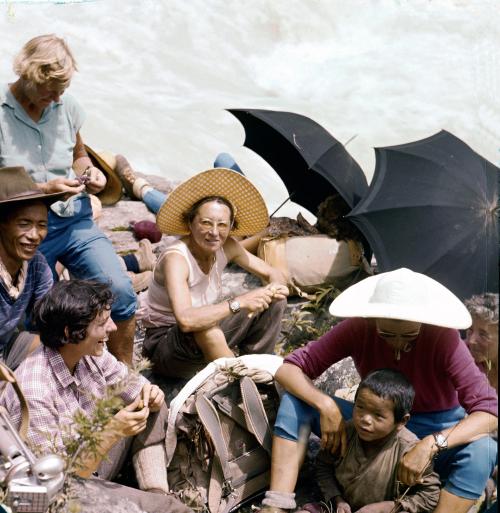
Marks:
<point>156,75</point>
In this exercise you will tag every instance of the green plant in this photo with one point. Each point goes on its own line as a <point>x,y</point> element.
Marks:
<point>322,300</point>
<point>310,321</point>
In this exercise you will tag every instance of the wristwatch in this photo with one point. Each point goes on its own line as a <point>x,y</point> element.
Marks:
<point>234,306</point>
<point>441,441</point>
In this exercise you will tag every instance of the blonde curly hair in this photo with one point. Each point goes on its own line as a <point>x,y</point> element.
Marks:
<point>45,58</point>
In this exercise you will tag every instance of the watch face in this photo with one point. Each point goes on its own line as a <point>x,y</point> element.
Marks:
<point>441,441</point>
<point>235,306</point>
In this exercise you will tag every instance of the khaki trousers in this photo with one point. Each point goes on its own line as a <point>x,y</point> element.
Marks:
<point>176,354</point>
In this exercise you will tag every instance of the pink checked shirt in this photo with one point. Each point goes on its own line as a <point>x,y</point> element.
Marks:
<point>54,394</point>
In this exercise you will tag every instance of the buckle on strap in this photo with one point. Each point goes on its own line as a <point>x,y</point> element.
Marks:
<point>227,487</point>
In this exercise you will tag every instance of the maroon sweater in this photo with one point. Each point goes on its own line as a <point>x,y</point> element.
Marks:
<point>439,365</point>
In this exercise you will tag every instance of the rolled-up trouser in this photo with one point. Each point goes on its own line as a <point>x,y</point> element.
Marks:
<point>176,354</point>
<point>88,254</point>
<point>463,470</point>
<point>154,434</point>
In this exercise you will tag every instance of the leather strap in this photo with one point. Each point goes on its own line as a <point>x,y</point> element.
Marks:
<point>7,375</point>
<point>211,422</point>
<point>255,413</point>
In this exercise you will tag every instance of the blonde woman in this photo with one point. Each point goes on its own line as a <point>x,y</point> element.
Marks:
<point>40,130</point>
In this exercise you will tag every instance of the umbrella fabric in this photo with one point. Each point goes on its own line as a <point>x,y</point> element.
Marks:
<point>432,206</point>
<point>310,161</point>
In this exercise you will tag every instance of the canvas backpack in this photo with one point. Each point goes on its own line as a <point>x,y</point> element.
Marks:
<point>314,261</point>
<point>219,439</point>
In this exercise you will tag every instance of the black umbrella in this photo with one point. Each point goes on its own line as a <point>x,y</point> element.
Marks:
<point>432,207</point>
<point>310,161</point>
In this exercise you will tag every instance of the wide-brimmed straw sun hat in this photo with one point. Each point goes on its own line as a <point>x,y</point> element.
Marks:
<point>16,186</point>
<point>405,295</point>
<point>106,162</point>
<point>249,207</point>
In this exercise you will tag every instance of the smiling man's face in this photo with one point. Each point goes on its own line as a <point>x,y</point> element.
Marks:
<point>21,233</point>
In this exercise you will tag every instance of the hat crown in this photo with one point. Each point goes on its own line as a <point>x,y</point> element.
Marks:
<point>16,183</point>
<point>400,287</point>
<point>405,295</point>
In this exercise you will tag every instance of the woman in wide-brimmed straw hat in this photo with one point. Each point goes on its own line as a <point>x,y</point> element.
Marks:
<point>189,322</point>
<point>40,126</point>
<point>409,322</point>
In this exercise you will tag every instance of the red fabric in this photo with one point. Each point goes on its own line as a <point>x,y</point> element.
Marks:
<point>146,230</point>
<point>439,365</point>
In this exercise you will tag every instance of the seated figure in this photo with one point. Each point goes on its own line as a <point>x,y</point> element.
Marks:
<point>376,441</point>
<point>482,336</point>
<point>188,321</point>
<point>25,276</point>
<point>69,372</point>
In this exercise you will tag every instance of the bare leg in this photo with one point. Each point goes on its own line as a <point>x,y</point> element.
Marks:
<point>121,342</point>
<point>212,343</point>
<point>449,502</point>
<point>286,459</point>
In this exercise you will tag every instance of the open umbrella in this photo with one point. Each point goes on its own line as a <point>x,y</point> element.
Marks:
<point>432,206</point>
<point>310,161</point>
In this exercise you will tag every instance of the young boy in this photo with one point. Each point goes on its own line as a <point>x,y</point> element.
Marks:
<point>364,480</point>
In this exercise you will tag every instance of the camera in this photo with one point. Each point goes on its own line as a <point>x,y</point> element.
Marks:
<point>31,483</point>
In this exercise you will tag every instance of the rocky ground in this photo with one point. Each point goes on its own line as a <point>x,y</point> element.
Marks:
<point>115,222</point>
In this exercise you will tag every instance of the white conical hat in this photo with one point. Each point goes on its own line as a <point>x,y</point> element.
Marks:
<point>402,294</point>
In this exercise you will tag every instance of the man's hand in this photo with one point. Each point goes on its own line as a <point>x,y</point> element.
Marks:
<point>130,421</point>
<point>152,396</point>
<point>96,180</point>
<point>377,507</point>
<point>61,185</point>
<point>415,461</point>
<point>333,435</point>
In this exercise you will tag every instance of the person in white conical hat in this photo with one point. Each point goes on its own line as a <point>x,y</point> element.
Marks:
<point>409,322</point>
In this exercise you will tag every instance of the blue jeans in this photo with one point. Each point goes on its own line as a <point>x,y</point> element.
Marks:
<point>463,470</point>
<point>154,199</point>
<point>88,254</point>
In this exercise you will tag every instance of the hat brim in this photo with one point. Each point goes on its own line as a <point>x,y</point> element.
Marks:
<point>48,199</point>
<point>251,211</point>
<point>112,192</point>
<point>442,307</point>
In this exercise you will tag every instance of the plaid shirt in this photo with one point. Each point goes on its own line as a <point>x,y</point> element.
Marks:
<point>54,394</point>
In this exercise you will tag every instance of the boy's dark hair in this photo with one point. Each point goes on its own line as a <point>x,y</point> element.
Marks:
<point>70,305</point>
<point>390,384</point>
